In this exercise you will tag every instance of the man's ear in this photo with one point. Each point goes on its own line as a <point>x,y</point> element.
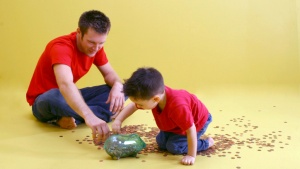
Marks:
<point>156,98</point>
<point>78,31</point>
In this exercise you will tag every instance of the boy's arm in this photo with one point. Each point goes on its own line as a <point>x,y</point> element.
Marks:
<point>126,112</point>
<point>191,134</point>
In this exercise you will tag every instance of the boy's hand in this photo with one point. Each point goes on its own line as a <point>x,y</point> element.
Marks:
<point>188,160</point>
<point>116,126</point>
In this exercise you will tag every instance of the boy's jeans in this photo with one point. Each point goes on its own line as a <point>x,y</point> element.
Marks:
<point>177,144</point>
<point>51,105</point>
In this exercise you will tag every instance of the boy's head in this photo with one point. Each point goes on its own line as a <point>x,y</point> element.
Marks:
<point>145,84</point>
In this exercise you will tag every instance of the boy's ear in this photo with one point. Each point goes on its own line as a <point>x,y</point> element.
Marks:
<point>156,98</point>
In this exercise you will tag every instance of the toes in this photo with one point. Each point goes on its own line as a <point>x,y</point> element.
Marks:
<point>67,123</point>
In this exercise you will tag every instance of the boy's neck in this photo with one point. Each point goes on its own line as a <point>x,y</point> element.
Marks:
<point>162,102</point>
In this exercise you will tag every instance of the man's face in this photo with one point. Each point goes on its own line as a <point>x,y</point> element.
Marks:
<point>91,42</point>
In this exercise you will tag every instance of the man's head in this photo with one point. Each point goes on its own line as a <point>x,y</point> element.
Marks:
<point>144,85</point>
<point>95,20</point>
<point>93,28</point>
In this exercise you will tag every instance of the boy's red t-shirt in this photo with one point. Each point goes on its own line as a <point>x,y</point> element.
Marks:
<point>182,109</point>
<point>62,50</point>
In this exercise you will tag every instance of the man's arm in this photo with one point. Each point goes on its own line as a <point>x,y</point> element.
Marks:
<point>191,134</point>
<point>116,97</point>
<point>72,95</point>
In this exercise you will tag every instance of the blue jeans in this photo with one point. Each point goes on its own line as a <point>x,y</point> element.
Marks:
<point>177,144</point>
<point>51,105</point>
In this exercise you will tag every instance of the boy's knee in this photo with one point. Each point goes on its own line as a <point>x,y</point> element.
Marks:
<point>176,149</point>
<point>160,144</point>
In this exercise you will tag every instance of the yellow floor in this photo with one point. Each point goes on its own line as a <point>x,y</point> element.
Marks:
<point>264,118</point>
<point>191,42</point>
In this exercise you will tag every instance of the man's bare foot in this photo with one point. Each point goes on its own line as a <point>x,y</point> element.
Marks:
<point>210,141</point>
<point>67,123</point>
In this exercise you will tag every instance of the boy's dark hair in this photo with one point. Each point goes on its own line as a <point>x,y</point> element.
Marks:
<point>144,83</point>
<point>94,19</point>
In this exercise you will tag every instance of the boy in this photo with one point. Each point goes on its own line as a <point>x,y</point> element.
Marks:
<point>179,115</point>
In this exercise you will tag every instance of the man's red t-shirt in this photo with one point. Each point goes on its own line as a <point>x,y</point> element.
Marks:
<point>182,109</point>
<point>62,50</point>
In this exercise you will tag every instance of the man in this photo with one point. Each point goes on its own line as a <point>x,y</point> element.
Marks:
<point>52,92</point>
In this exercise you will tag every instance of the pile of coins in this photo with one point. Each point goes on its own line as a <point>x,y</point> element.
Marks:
<point>246,138</point>
<point>223,142</point>
<point>148,134</point>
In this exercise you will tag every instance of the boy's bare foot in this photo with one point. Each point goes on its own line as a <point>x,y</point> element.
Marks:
<point>67,123</point>
<point>210,141</point>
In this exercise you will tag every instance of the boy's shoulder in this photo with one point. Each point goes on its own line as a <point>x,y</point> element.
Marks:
<point>178,96</point>
<point>177,92</point>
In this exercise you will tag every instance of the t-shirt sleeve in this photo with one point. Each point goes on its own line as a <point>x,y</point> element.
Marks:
<point>61,54</point>
<point>100,58</point>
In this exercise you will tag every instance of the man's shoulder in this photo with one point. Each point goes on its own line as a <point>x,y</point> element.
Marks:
<point>69,39</point>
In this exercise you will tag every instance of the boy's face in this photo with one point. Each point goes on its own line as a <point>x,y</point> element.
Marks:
<point>145,104</point>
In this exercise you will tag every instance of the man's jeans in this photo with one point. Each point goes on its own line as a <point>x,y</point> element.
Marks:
<point>177,144</point>
<point>51,105</point>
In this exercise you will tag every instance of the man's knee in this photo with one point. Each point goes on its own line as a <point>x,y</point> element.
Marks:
<point>40,111</point>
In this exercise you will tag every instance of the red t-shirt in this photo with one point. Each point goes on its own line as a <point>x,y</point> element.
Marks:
<point>182,109</point>
<point>62,50</point>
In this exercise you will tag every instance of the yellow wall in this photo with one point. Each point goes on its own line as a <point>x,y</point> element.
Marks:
<point>236,41</point>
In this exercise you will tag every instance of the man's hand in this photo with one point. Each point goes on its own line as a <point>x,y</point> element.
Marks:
<point>188,160</point>
<point>116,98</point>
<point>100,129</point>
<point>116,126</point>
